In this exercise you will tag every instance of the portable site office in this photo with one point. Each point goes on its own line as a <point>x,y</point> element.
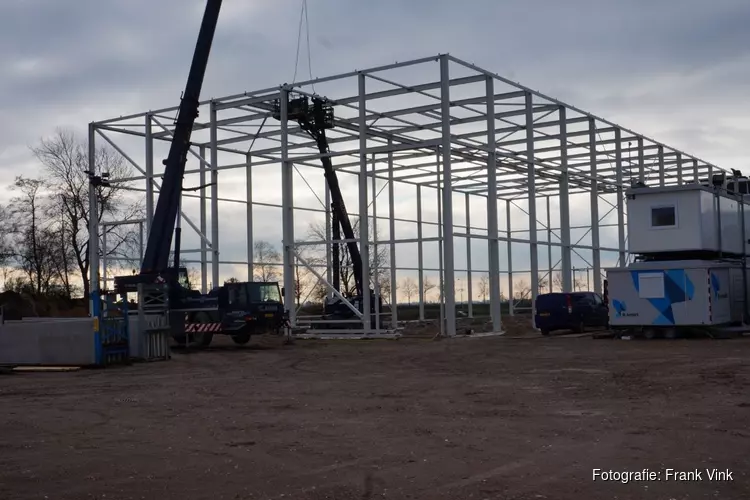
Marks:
<point>690,244</point>
<point>685,219</point>
<point>676,293</point>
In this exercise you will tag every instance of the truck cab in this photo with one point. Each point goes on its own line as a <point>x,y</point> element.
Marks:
<point>257,304</point>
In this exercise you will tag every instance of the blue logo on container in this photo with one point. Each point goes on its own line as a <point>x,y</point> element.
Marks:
<point>716,287</point>
<point>621,309</point>
<point>677,288</point>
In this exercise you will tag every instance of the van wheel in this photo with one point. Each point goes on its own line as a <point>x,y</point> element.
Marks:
<point>241,339</point>
<point>579,328</point>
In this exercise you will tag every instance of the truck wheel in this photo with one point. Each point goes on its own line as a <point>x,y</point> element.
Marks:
<point>241,338</point>
<point>204,339</point>
<point>201,339</point>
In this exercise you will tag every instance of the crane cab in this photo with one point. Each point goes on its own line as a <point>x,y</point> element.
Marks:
<point>258,303</point>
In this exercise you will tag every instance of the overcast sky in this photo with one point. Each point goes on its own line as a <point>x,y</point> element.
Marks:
<point>678,71</point>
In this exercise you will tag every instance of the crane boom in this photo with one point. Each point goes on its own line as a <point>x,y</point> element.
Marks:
<point>341,216</point>
<point>239,309</point>
<point>314,118</point>
<point>156,257</point>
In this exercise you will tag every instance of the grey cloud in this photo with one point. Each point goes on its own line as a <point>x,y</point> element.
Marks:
<point>675,72</point>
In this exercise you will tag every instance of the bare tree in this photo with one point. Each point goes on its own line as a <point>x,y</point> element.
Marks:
<point>484,286</point>
<point>427,286</point>
<point>33,238</point>
<point>557,282</point>
<point>409,287</point>
<point>542,282</point>
<point>305,281</point>
<point>266,260</point>
<point>63,256</point>
<point>6,246</point>
<point>65,162</point>
<point>384,284</point>
<point>378,260</point>
<point>193,276</point>
<point>521,290</point>
<point>319,292</point>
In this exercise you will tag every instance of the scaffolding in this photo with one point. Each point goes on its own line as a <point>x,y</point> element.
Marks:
<point>443,126</point>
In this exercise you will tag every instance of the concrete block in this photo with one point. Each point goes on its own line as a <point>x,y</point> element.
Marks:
<point>48,341</point>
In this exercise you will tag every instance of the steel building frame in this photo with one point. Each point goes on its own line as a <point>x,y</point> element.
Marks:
<point>465,130</point>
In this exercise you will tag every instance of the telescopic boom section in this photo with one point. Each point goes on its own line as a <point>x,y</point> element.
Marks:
<point>339,209</point>
<point>156,257</point>
<point>314,119</point>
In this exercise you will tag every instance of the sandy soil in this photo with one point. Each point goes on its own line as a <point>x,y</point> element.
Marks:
<point>489,418</point>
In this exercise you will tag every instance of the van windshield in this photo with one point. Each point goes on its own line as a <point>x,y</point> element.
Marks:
<point>556,300</point>
<point>244,294</point>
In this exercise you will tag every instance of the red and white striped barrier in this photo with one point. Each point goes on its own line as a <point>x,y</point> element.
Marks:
<point>202,327</point>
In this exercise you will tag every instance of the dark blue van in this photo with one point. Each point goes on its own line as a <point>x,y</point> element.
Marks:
<point>570,311</point>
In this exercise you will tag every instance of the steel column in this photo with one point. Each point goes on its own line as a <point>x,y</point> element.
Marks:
<point>641,162</point>
<point>214,201</point>
<point>660,159</point>
<point>468,258</point>
<point>149,174</point>
<point>695,171</point>
<point>287,208</point>
<point>531,182</point>
<point>566,254</point>
<point>549,248</point>
<point>375,258</point>
<point>140,243</point>
<point>620,200</point>
<point>93,224</point>
<point>364,231</point>
<point>420,249</point>
<point>329,245</point>
<point>392,249</point>
<point>249,215</point>
<point>441,246</point>
<point>679,169</point>
<point>493,250</point>
<point>203,222</point>
<point>450,277</point>
<point>596,251</point>
<point>509,235</point>
<point>104,256</point>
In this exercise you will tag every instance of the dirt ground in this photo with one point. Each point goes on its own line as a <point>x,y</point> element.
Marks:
<point>475,418</point>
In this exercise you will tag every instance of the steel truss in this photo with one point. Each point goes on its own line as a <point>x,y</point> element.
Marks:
<point>465,130</point>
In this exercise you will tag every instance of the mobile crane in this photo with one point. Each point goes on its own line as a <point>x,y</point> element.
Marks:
<point>315,118</point>
<point>236,309</point>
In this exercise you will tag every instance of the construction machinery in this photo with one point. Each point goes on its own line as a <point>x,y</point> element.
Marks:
<point>236,309</point>
<point>315,115</point>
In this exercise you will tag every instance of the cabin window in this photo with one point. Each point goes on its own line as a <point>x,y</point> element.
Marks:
<point>663,217</point>
<point>651,285</point>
